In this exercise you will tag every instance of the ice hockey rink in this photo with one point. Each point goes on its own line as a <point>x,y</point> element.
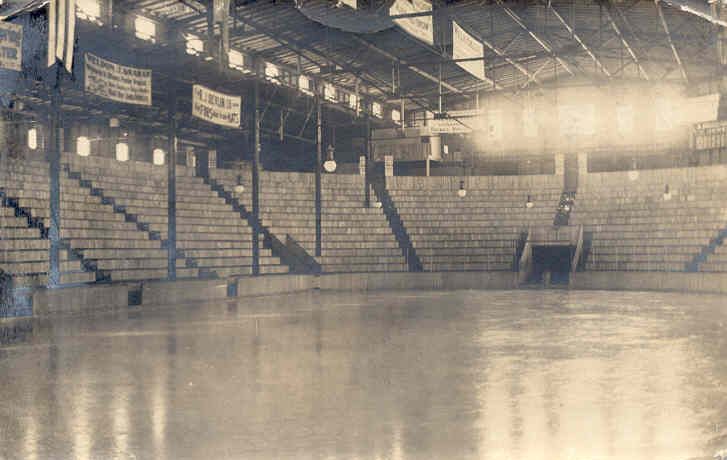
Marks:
<point>388,375</point>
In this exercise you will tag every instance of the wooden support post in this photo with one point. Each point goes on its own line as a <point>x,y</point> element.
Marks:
<point>255,136</point>
<point>319,159</point>
<point>109,15</point>
<point>172,184</point>
<point>55,149</point>
<point>367,172</point>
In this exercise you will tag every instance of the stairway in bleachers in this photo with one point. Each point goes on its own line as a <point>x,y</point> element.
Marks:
<point>479,231</point>
<point>653,220</point>
<point>211,232</point>
<point>355,238</point>
<point>212,239</point>
<point>24,217</point>
<point>134,199</point>
<point>397,226</point>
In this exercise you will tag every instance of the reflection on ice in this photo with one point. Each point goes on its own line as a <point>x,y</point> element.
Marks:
<point>467,375</point>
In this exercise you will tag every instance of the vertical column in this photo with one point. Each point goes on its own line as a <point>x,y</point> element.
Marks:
<point>319,154</point>
<point>255,136</point>
<point>367,175</point>
<point>108,13</point>
<point>172,185</point>
<point>55,147</point>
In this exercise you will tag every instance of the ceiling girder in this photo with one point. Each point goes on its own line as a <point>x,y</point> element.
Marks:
<point>578,39</point>
<point>624,42</point>
<point>545,45</point>
<point>674,51</point>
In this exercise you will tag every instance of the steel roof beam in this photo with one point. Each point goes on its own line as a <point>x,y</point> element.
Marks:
<point>687,8</point>
<point>624,42</point>
<point>670,41</point>
<point>545,45</point>
<point>413,68</point>
<point>578,39</point>
<point>295,46</point>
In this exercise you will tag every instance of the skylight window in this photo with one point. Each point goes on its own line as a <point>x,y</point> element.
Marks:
<point>329,92</point>
<point>145,29</point>
<point>195,45</point>
<point>377,110</point>
<point>88,10</point>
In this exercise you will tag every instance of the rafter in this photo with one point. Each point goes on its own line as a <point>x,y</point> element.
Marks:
<point>624,42</point>
<point>670,41</point>
<point>544,44</point>
<point>578,39</point>
<point>409,66</point>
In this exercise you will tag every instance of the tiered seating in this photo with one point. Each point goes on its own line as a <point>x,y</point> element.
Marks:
<point>142,191</point>
<point>478,231</point>
<point>209,232</point>
<point>635,228</point>
<point>213,233</point>
<point>23,251</point>
<point>354,238</point>
<point>287,204</point>
<point>25,255</point>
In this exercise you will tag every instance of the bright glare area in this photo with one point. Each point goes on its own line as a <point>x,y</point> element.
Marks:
<point>624,118</point>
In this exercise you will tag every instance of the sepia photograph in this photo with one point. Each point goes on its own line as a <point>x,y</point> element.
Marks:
<point>363,229</point>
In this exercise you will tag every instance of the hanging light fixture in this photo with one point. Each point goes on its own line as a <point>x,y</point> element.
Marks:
<point>122,151</point>
<point>330,164</point>
<point>158,156</point>
<point>462,192</point>
<point>529,204</point>
<point>83,146</point>
<point>32,138</point>
<point>239,187</point>
<point>667,193</point>
<point>634,173</point>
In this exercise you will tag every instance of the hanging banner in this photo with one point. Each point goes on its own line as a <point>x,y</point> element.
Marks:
<point>117,82</point>
<point>218,108</point>
<point>61,32</point>
<point>11,46</point>
<point>465,46</point>
<point>421,27</point>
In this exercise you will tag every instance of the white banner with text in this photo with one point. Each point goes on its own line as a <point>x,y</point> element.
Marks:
<point>119,83</point>
<point>215,107</point>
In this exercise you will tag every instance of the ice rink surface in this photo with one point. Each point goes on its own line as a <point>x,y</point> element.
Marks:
<point>387,375</point>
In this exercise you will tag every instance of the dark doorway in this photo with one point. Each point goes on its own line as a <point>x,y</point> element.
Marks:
<point>553,259</point>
